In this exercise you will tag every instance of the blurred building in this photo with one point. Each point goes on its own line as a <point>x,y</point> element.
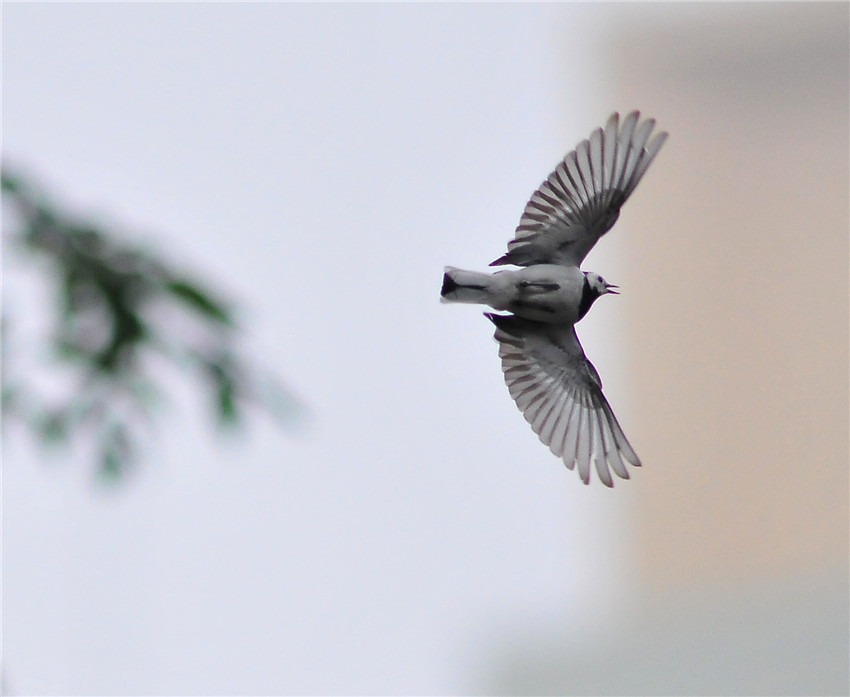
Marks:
<point>737,276</point>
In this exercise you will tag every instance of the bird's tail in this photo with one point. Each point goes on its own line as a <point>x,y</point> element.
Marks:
<point>461,286</point>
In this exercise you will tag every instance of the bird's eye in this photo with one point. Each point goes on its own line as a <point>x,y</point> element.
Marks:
<point>601,280</point>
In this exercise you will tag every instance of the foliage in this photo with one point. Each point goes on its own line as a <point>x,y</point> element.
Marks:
<point>120,309</point>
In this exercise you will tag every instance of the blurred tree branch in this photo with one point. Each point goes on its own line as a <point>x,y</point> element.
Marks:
<point>119,309</point>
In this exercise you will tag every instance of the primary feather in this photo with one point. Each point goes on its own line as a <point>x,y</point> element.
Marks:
<point>555,386</point>
<point>581,199</point>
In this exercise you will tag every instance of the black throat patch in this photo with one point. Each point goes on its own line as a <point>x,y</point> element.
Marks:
<point>588,296</point>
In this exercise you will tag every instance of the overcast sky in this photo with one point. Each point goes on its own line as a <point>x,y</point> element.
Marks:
<point>321,163</point>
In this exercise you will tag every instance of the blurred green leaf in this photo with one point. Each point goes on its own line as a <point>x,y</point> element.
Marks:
<point>115,452</point>
<point>199,300</point>
<point>54,426</point>
<point>226,402</point>
<point>113,314</point>
<point>9,183</point>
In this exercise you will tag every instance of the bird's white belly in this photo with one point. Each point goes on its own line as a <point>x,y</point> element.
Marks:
<point>544,293</point>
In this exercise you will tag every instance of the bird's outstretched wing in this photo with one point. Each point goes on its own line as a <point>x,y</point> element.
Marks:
<point>560,394</point>
<point>580,201</point>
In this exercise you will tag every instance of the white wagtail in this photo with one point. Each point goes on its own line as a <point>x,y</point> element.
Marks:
<point>554,385</point>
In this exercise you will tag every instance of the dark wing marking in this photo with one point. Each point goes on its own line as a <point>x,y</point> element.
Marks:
<point>580,201</point>
<point>560,394</point>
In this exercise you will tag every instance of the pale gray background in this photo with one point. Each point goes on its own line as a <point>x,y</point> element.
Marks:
<point>322,163</point>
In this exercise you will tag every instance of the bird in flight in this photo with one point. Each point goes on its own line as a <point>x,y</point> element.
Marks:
<point>552,382</point>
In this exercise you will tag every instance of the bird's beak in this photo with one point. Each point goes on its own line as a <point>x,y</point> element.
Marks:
<point>611,288</point>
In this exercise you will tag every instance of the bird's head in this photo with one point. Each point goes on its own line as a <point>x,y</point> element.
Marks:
<point>594,287</point>
<point>599,286</point>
